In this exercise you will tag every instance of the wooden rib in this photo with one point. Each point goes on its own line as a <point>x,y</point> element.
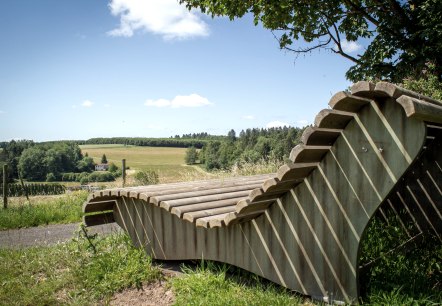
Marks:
<point>420,109</point>
<point>168,205</point>
<point>291,171</point>
<point>333,119</point>
<point>175,196</point>
<point>308,154</point>
<point>345,101</point>
<point>259,194</point>
<point>195,215</point>
<point>180,210</point>
<point>245,207</point>
<point>92,220</point>
<point>98,206</point>
<point>315,136</point>
<point>211,221</point>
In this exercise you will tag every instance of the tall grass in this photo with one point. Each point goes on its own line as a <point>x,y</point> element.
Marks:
<point>409,275</point>
<point>73,273</point>
<point>220,284</point>
<point>42,211</point>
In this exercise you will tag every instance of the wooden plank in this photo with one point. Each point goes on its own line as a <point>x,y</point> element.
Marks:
<point>92,220</point>
<point>291,171</point>
<point>205,192</point>
<point>98,206</point>
<point>235,218</point>
<point>193,216</point>
<point>246,207</point>
<point>168,205</point>
<point>345,101</point>
<point>364,89</point>
<point>211,221</point>
<point>421,110</point>
<point>333,119</point>
<point>308,154</point>
<point>180,210</point>
<point>314,136</point>
<point>395,92</point>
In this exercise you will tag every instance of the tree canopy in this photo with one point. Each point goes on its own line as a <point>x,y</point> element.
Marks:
<point>403,35</point>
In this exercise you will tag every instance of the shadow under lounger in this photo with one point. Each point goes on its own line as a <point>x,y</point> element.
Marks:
<point>377,149</point>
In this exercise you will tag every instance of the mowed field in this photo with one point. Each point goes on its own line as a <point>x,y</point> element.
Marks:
<point>168,162</point>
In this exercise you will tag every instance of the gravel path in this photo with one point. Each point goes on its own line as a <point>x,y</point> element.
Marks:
<point>48,235</point>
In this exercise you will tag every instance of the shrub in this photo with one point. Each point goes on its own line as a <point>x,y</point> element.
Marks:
<point>50,177</point>
<point>101,177</point>
<point>146,177</point>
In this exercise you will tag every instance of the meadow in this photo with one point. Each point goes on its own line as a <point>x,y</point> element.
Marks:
<point>167,162</point>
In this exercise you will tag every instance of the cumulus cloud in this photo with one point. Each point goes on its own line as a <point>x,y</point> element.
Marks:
<point>349,46</point>
<point>249,117</point>
<point>193,100</point>
<point>87,103</point>
<point>276,123</point>
<point>162,17</point>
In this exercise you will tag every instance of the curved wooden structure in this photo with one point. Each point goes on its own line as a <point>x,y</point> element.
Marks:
<point>301,227</point>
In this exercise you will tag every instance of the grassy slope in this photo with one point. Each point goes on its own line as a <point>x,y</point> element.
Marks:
<point>168,162</point>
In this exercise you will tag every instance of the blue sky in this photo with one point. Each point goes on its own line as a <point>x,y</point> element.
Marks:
<point>137,68</point>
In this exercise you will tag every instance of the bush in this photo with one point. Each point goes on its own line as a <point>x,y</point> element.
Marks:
<point>101,177</point>
<point>84,180</point>
<point>113,168</point>
<point>50,177</point>
<point>146,177</point>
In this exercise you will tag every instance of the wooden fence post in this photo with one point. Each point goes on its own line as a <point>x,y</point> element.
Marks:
<point>5,186</point>
<point>124,172</point>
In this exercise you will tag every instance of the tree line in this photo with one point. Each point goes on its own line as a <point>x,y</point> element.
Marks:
<point>251,146</point>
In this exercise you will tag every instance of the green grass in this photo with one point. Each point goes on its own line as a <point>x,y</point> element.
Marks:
<point>167,162</point>
<point>218,284</point>
<point>43,210</point>
<point>72,273</point>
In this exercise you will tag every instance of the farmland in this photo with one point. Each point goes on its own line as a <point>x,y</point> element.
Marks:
<point>167,162</point>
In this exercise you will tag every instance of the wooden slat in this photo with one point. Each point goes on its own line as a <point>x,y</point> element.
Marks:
<point>92,220</point>
<point>291,171</point>
<point>333,119</point>
<point>205,192</point>
<point>168,205</point>
<point>98,206</point>
<point>245,207</point>
<point>314,136</point>
<point>235,218</point>
<point>180,210</point>
<point>364,89</point>
<point>211,221</point>
<point>283,185</point>
<point>395,92</point>
<point>420,109</point>
<point>345,101</point>
<point>308,154</point>
<point>193,216</point>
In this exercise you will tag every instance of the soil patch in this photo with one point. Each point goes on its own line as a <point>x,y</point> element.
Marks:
<point>155,294</point>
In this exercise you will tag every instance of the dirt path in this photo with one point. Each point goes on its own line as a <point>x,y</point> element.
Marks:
<point>48,235</point>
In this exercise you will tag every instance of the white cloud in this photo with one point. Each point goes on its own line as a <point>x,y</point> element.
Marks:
<point>163,17</point>
<point>349,46</point>
<point>302,123</point>
<point>249,117</point>
<point>87,103</point>
<point>193,100</point>
<point>276,123</point>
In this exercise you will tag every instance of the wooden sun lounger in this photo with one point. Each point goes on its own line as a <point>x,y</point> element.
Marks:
<point>377,147</point>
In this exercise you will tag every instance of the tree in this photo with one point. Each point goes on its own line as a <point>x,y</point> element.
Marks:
<point>191,156</point>
<point>104,159</point>
<point>86,164</point>
<point>32,164</point>
<point>403,35</point>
